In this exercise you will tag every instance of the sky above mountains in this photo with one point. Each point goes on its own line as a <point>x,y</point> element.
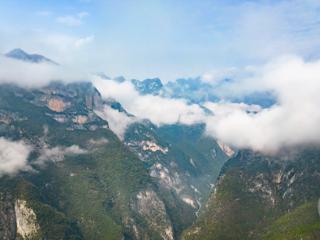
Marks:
<point>166,39</point>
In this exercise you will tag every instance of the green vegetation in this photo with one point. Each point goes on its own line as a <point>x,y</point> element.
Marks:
<point>93,195</point>
<point>302,223</point>
<point>263,197</point>
<point>85,196</point>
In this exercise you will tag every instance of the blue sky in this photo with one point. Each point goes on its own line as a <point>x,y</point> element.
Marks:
<point>168,39</point>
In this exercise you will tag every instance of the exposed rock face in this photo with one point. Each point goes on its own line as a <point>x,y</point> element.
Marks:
<point>7,217</point>
<point>4,119</point>
<point>93,100</point>
<point>60,118</point>
<point>71,104</point>
<point>189,201</point>
<point>149,206</point>
<point>166,178</point>
<point>152,146</point>
<point>56,105</point>
<point>27,226</point>
<point>80,119</point>
<point>226,149</point>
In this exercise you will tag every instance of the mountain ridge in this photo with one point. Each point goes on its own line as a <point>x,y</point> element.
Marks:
<point>21,55</point>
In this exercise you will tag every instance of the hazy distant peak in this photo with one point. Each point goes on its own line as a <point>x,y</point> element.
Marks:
<point>20,54</point>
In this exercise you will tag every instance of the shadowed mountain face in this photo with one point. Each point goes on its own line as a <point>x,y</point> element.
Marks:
<point>264,197</point>
<point>19,54</point>
<point>183,164</point>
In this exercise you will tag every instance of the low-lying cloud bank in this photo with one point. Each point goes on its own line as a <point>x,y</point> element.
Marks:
<point>13,156</point>
<point>292,121</point>
<point>58,153</point>
<point>27,74</point>
<point>158,110</point>
<point>118,121</point>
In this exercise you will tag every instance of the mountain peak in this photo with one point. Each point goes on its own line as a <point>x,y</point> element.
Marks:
<point>20,54</point>
<point>16,51</point>
<point>148,86</point>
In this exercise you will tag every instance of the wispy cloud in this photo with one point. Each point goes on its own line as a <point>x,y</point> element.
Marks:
<point>83,41</point>
<point>35,75</point>
<point>72,20</point>
<point>58,153</point>
<point>118,121</point>
<point>65,43</point>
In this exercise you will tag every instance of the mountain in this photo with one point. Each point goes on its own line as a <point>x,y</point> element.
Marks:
<point>264,197</point>
<point>264,99</point>
<point>84,182</point>
<point>67,173</point>
<point>183,164</point>
<point>195,90</point>
<point>119,79</point>
<point>192,89</point>
<point>151,86</point>
<point>19,54</point>
<point>81,181</point>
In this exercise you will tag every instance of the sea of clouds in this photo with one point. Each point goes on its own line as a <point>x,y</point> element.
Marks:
<point>293,120</point>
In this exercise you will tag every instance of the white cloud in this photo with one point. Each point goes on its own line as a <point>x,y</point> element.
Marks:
<point>225,108</point>
<point>83,41</point>
<point>293,121</point>
<point>157,109</point>
<point>261,30</point>
<point>13,156</point>
<point>73,20</point>
<point>65,44</point>
<point>58,153</point>
<point>34,75</point>
<point>215,76</point>
<point>118,121</point>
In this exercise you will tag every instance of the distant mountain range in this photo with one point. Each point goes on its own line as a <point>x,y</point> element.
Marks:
<point>151,86</point>
<point>194,90</point>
